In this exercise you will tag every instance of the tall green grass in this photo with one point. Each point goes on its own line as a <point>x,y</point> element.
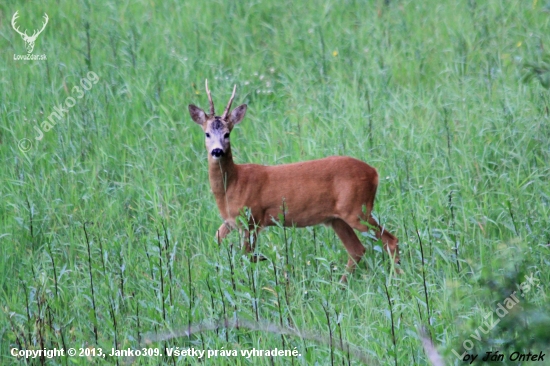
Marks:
<point>107,224</point>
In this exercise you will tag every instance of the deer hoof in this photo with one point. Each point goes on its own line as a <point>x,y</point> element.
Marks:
<point>257,258</point>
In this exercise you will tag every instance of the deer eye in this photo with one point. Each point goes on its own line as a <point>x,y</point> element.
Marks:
<point>226,136</point>
<point>207,135</point>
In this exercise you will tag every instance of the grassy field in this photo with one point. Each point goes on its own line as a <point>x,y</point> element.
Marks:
<point>107,223</point>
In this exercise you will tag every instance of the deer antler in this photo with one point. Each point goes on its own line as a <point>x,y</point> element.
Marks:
<point>212,113</point>
<point>35,34</point>
<point>15,27</point>
<point>29,40</point>
<point>226,112</point>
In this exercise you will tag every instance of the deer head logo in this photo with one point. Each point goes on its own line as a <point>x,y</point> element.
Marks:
<point>29,40</point>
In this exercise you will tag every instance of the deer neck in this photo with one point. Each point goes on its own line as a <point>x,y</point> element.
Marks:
<point>222,173</point>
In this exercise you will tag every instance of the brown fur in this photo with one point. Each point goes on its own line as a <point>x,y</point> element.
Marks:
<point>330,191</point>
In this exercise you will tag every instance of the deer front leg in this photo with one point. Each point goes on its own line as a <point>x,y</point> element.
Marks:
<point>250,237</point>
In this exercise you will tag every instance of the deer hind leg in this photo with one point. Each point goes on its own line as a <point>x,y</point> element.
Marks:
<point>222,232</point>
<point>353,245</point>
<point>388,239</point>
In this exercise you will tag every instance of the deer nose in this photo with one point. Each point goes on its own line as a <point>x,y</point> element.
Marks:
<point>217,153</point>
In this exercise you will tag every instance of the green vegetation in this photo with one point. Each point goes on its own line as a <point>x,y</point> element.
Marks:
<point>107,224</point>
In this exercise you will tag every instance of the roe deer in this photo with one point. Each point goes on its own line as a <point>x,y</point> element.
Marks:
<point>331,191</point>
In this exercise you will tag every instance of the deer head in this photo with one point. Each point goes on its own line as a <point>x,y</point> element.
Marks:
<point>29,40</point>
<point>217,128</point>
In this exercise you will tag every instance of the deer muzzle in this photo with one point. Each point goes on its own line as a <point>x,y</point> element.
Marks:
<point>217,153</point>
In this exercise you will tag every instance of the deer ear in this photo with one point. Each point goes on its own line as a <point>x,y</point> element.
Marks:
<point>197,114</point>
<point>237,114</point>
